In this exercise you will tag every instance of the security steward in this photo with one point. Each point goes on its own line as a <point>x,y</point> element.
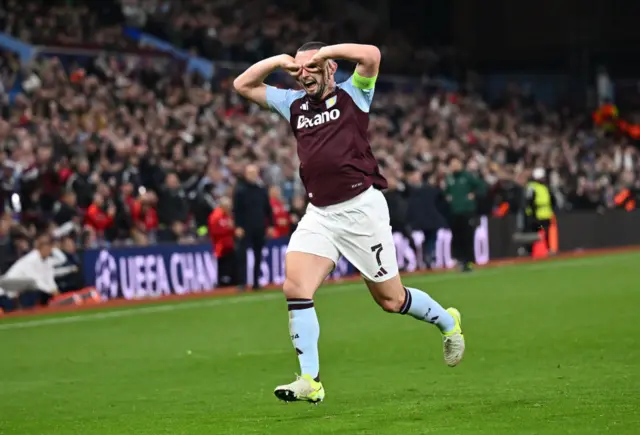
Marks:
<point>540,203</point>
<point>461,191</point>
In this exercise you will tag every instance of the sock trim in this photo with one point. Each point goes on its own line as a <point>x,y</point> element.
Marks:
<point>407,302</point>
<point>299,304</point>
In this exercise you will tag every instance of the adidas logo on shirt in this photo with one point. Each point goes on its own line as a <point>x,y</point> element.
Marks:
<point>319,119</point>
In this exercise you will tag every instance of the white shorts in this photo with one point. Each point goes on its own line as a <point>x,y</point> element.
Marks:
<point>358,229</point>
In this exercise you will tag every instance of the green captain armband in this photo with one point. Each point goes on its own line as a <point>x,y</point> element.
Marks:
<point>364,83</point>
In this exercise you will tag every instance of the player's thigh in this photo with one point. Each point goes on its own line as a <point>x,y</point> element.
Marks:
<point>311,256</point>
<point>365,239</point>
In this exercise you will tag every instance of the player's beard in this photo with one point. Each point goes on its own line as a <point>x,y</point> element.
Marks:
<point>317,95</point>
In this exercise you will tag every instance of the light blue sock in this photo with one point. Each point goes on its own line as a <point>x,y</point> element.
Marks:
<point>421,306</point>
<point>305,332</point>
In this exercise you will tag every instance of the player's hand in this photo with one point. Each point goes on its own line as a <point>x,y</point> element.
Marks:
<point>316,63</point>
<point>239,233</point>
<point>289,65</point>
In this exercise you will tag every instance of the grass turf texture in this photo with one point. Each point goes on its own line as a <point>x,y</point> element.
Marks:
<point>552,348</point>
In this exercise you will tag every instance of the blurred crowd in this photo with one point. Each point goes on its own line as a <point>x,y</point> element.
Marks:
<point>221,30</point>
<point>131,149</point>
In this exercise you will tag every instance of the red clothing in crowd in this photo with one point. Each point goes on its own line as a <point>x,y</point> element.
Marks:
<point>147,217</point>
<point>281,219</point>
<point>221,231</point>
<point>97,218</point>
<point>129,201</point>
<point>64,174</point>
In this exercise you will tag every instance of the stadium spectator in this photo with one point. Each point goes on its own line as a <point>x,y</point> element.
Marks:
<point>100,215</point>
<point>281,218</point>
<point>426,207</point>
<point>221,230</point>
<point>83,183</point>
<point>397,201</point>
<point>66,210</point>
<point>145,219</point>
<point>253,219</point>
<point>49,22</point>
<point>298,207</point>
<point>173,210</point>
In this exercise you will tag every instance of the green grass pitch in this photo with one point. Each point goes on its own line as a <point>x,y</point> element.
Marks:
<point>552,348</point>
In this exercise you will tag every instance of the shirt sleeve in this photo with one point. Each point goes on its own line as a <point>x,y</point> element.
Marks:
<point>280,100</point>
<point>361,89</point>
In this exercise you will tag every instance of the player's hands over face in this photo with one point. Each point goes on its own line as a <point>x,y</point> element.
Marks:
<point>316,63</point>
<point>289,65</point>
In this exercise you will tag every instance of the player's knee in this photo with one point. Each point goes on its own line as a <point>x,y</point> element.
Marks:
<point>389,295</point>
<point>293,288</point>
<point>391,303</point>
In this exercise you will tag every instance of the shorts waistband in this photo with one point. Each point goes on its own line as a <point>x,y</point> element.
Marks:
<point>344,205</point>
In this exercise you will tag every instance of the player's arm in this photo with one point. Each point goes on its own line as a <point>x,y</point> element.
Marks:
<point>250,84</point>
<point>367,57</point>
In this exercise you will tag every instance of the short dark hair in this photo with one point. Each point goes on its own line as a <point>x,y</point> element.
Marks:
<point>312,45</point>
<point>43,233</point>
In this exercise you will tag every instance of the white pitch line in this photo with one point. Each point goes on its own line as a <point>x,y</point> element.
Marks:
<point>272,296</point>
<point>135,311</point>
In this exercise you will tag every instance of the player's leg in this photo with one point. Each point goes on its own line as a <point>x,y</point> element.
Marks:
<point>368,244</point>
<point>311,256</point>
<point>394,297</point>
<point>304,274</point>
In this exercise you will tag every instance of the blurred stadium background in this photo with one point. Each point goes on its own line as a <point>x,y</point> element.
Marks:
<point>121,147</point>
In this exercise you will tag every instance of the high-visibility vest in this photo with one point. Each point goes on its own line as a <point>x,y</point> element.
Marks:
<point>542,203</point>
